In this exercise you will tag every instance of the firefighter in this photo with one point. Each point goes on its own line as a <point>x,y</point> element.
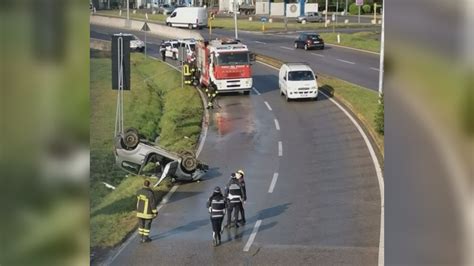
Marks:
<point>217,206</point>
<point>187,73</point>
<point>240,176</point>
<point>233,193</point>
<point>211,92</point>
<point>146,211</point>
<point>163,51</point>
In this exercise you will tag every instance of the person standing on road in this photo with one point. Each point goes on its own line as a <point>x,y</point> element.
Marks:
<point>217,206</point>
<point>146,211</point>
<point>233,194</point>
<point>240,176</point>
<point>163,52</point>
<point>211,92</point>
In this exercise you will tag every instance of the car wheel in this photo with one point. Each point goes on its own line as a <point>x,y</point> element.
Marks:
<point>190,26</point>
<point>246,92</point>
<point>322,48</point>
<point>175,56</point>
<point>281,93</point>
<point>189,163</point>
<point>286,97</point>
<point>315,98</point>
<point>131,140</point>
<point>306,47</point>
<point>296,45</point>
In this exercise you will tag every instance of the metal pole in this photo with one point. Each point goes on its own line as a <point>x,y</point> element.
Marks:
<point>382,49</point>
<point>235,20</point>
<point>145,45</point>
<point>286,18</point>
<point>358,19</point>
<point>326,15</point>
<point>128,13</point>
<point>347,6</point>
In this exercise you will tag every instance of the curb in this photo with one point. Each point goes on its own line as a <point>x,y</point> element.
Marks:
<point>277,63</point>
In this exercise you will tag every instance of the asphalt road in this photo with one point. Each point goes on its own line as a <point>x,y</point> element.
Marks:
<point>325,202</point>
<point>360,68</point>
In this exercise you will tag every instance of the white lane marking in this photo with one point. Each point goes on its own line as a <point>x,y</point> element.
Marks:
<point>256,91</point>
<point>260,42</point>
<point>167,197</point>
<point>277,125</point>
<point>287,48</point>
<point>280,148</point>
<point>268,106</point>
<point>317,54</point>
<point>252,236</point>
<point>274,180</point>
<point>376,69</point>
<point>378,171</point>
<point>345,61</point>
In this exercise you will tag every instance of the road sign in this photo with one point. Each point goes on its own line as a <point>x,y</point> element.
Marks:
<point>359,2</point>
<point>145,27</point>
<point>263,19</point>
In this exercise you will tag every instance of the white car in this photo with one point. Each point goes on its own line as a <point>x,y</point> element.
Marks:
<point>297,81</point>
<point>137,44</point>
<point>171,48</point>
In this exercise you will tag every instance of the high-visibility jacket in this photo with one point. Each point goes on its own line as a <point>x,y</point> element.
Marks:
<point>217,205</point>
<point>146,203</point>
<point>234,191</point>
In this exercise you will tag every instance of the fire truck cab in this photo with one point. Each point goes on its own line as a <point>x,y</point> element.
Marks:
<point>224,64</point>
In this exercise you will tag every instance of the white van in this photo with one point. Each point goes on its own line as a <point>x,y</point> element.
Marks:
<point>189,17</point>
<point>297,80</point>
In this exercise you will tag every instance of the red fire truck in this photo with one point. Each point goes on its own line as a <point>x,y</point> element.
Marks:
<point>225,65</point>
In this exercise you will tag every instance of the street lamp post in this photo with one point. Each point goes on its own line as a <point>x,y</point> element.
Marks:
<point>128,13</point>
<point>326,15</point>
<point>235,20</point>
<point>382,49</point>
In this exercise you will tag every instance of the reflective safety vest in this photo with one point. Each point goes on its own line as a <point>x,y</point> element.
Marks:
<point>146,204</point>
<point>235,191</point>
<point>217,207</point>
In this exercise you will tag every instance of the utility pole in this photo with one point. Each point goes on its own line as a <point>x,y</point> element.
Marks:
<point>382,48</point>
<point>347,7</point>
<point>128,13</point>
<point>235,20</point>
<point>326,15</point>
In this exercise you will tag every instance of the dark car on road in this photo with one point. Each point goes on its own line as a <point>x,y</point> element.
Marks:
<point>309,41</point>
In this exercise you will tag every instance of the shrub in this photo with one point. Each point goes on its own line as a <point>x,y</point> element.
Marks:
<point>353,9</point>
<point>379,117</point>
<point>366,8</point>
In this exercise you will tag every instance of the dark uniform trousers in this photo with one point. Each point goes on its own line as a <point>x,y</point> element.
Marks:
<point>242,211</point>
<point>144,226</point>
<point>233,207</point>
<point>217,226</point>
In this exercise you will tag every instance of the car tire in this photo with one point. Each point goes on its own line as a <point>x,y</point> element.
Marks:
<point>287,98</point>
<point>189,163</point>
<point>175,56</point>
<point>190,26</point>
<point>131,140</point>
<point>306,47</point>
<point>315,98</point>
<point>296,45</point>
<point>281,93</point>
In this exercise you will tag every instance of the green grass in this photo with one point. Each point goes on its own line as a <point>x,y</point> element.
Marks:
<point>364,40</point>
<point>156,105</point>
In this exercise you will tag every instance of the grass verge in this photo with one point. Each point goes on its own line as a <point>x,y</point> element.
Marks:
<point>156,105</point>
<point>364,40</point>
<point>361,101</point>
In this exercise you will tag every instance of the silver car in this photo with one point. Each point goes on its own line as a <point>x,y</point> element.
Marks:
<point>166,9</point>
<point>140,157</point>
<point>310,17</point>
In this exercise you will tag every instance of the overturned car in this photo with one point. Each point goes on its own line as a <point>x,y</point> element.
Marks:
<point>138,156</point>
